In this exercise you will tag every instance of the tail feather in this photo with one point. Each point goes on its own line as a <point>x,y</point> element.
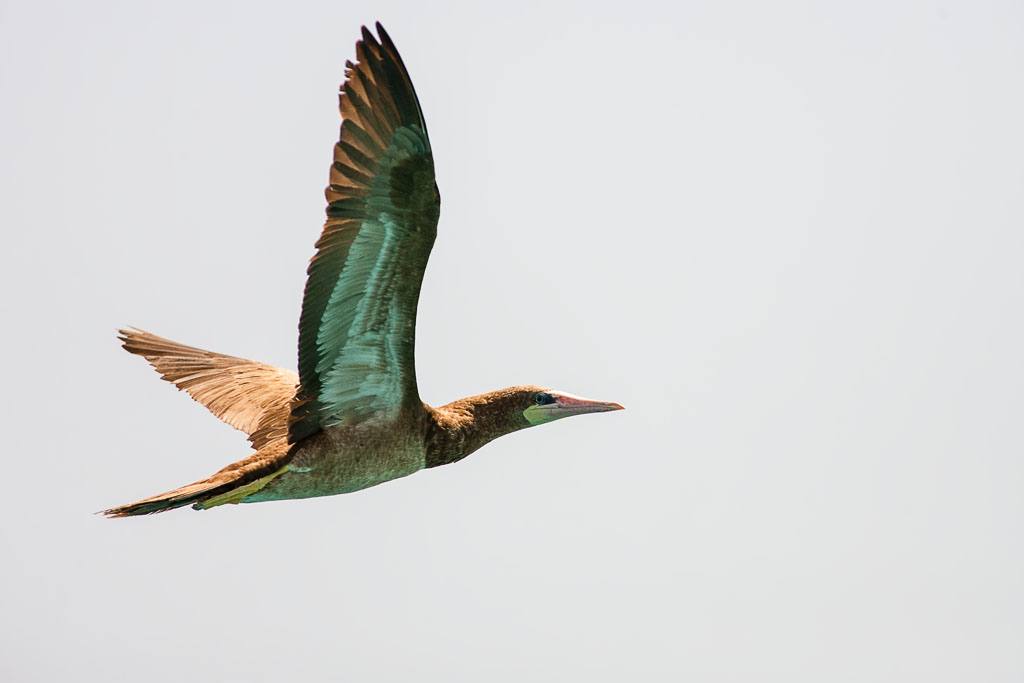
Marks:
<point>250,396</point>
<point>230,485</point>
<point>180,497</point>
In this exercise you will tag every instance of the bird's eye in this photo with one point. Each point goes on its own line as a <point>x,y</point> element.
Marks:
<point>543,399</point>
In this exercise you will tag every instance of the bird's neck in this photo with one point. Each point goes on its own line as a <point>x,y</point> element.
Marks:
<point>463,426</point>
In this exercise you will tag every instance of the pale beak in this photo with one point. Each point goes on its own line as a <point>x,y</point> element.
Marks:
<point>567,404</point>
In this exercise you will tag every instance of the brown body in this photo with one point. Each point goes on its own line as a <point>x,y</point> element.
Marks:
<point>346,459</point>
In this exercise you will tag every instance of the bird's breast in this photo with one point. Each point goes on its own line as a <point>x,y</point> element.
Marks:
<point>345,459</point>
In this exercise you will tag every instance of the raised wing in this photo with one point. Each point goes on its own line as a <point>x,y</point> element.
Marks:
<point>250,396</point>
<point>357,330</point>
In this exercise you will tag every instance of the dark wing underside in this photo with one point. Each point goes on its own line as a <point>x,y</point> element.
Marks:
<point>357,330</point>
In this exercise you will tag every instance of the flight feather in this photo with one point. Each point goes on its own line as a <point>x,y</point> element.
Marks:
<point>357,329</point>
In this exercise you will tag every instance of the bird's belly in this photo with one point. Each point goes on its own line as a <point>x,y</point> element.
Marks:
<point>342,460</point>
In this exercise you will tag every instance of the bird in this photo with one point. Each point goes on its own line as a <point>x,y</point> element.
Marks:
<point>351,418</point>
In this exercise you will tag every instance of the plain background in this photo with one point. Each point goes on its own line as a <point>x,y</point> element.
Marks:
<point>787,236</point>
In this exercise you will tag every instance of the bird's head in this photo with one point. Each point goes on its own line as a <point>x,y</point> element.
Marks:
<point>474,421</point>
<point>509,410</point>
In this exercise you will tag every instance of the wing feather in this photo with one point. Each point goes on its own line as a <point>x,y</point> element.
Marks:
<point>252,397</point>
<point>357,330</point>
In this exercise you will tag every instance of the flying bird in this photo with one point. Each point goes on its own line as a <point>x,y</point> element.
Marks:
<point>352,417</point>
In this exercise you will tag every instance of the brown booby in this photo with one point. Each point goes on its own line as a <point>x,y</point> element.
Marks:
<point>352,416</point>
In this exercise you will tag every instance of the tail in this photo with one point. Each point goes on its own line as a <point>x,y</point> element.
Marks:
<point>250,396</point>
<point>230,485</point>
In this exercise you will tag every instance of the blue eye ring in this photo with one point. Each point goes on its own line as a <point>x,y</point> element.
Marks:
<point>543,399</point>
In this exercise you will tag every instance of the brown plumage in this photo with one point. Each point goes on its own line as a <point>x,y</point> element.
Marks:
<point>352,417</point>
<point>252,397</point>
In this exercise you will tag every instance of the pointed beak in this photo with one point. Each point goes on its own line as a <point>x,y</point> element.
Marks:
<point>566,405</point>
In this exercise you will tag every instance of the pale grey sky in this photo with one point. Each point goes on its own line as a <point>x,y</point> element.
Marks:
<point>787,236</point>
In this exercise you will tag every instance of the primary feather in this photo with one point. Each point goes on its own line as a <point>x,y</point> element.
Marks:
<point>252,397</point>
